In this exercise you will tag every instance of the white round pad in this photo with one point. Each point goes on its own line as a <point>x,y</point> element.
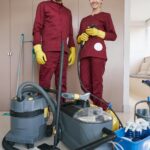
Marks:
<point>98,46</point>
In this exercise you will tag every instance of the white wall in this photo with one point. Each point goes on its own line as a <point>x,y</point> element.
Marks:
<point>138,45</point>
<point>126,56</point>
<point>114,74</point>
<point>148,34</point>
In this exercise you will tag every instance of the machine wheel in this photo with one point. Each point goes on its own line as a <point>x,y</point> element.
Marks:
<point>60,133</point>
<point>11,143</point>
<point>29,146</point>
<point>49,130</point>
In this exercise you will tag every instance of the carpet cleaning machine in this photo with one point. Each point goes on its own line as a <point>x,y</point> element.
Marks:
<point>78,125</point>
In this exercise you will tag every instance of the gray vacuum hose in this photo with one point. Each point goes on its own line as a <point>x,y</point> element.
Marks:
<point>40,90</point>
<point>7,146</point>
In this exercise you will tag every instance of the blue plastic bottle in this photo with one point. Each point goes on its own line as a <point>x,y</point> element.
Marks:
<point>145,132</point>
<point>129,134</point>
<point>149,130</point>
<point>137,135</point>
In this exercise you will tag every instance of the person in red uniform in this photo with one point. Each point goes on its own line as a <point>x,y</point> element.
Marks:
<point>94,29</point>
<point>52,26</point>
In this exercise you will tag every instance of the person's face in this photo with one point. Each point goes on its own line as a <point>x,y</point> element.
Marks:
<point>96,3</point>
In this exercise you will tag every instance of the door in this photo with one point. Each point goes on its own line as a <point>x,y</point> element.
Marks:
<point>23,67</point>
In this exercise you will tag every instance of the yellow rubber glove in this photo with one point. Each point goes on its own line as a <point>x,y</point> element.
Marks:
<point>72,56</point>
<point>95,32</point>
<point>82,38</point>
<point>115,120</point>
<point>40,55</point>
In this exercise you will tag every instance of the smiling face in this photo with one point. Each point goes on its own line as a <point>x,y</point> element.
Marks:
<point>95,4</point>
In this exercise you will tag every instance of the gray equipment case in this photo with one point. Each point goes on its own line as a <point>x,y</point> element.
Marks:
<point>81,126</point>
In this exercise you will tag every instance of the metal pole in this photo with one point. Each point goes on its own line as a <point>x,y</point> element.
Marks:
<point>56,137</point>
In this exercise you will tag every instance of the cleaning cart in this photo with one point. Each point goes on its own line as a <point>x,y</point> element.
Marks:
<point>137,139</point>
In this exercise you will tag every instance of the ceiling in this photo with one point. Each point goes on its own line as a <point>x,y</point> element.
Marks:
<point>140,10</point>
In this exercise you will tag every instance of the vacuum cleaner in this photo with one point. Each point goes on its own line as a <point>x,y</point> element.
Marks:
<point>82,124</point>
<point>29,116</point>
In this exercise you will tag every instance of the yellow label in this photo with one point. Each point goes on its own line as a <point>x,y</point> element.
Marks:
<point>76,96</point>
<point>54,131</point>
<point>30,98</point>
<point>46,112</point>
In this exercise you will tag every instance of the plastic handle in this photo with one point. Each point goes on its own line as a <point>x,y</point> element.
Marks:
<point>25,85</point>
<point>142,101</point>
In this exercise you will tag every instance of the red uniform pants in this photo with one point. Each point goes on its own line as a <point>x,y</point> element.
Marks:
<point>52,67</point>
<point>91,74</point>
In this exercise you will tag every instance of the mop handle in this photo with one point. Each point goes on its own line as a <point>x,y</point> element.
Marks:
<point>58,96</point>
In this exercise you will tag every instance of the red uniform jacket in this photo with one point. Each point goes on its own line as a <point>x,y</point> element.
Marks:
<point>95,46</point>
<point>53,23</point>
